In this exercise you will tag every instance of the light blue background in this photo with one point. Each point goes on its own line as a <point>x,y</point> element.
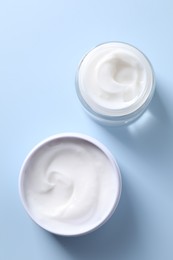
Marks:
<point>41,44</point>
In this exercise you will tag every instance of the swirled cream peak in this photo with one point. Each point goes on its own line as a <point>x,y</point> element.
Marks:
<point>71,185</point>
<point>115,79</point>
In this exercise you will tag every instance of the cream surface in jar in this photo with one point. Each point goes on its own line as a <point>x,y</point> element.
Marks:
<point>70,184</point>
<point>115,81</point>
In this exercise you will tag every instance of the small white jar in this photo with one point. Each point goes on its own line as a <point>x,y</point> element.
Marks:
<point>115,83</point>
<point>70,184</point>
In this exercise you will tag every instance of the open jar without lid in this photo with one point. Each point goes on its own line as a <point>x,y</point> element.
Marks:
<point>115,83</point>
<point>70,184</point>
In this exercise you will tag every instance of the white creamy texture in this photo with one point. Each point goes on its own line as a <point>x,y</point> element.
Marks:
<point>70,186</point>
<point>115,79</point>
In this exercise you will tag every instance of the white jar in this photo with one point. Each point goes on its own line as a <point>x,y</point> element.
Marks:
<point>115,83</point>
<point>70,184</point>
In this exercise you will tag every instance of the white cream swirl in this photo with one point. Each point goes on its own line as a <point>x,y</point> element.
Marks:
<point>70,183</point>
<point>115,79</point>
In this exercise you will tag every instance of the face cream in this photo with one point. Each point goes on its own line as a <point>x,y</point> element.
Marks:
<point>115,83</point>
<point>70,184</point>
